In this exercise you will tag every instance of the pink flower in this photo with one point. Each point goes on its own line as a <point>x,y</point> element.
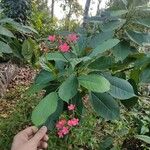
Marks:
<point>65,130</point>
<point>73,122</point>
<point>72,37</point>
<point>52,38</point>
<point>60,124</point>
<point>64,48</point>
<point>71,107</point>
<point>60,134</point>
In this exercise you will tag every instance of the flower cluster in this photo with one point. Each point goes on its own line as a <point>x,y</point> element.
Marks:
<point>64,42</point>
<point>64,126</point>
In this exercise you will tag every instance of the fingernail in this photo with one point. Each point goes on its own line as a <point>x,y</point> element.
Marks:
<point>44,128</point>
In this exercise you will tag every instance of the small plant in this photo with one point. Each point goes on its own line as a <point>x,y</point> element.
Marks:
<point>104,64</point>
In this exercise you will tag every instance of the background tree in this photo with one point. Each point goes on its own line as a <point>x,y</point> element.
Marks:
<point>41,18</point>
<point>72,8</point>
<point>98,7</point>
<point>19,10</point>
<point>86,11</point>
<point>52,9</point>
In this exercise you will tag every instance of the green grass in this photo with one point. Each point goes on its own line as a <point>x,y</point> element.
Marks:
<point>91,133</point>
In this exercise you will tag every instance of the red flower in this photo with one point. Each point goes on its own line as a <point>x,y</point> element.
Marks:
<point>72,37</point>
<point>73,122</point>
<point>71,107</point>
<point>52,38</point>
<point>64,48</point>
<point>60,124</point>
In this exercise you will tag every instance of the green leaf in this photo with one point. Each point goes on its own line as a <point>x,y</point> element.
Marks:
<point>51,121</point>
<point>42,80</point>
<point>145,76</point>
<point>44,77</point>
<point>5,48</point>
<point>102,63</point>
<point>6,32</point>
<point>44,109</point>
<point>105,105</point>
<point>95,83</point>
<point>145,22</point>
<point>117,13</point>
<point>35,88</point>
<point>123,50</point>
<point>107,45</point>
<point>144,138</point>
<point>113,25</point>
<point>18,27</point>
<point>76,61</point>
<point>28,49</point>
<point>140,38</point>
<point>100,38</point>
<point>69,88</point>
<point>55,56</point>
<point>120,88</point>
<point>129,103</point>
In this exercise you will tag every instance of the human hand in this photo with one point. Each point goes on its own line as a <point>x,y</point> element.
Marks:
<point>31,139</point>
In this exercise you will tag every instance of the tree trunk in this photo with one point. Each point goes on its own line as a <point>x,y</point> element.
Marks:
<point>52,9</point>
<point>86,12</point>
<point>98,10</point>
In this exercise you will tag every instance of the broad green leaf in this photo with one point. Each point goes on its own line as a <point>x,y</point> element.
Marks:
<point>105,105</point>
<point>55,56</point>
<point>69,88</point>
<point>102,63</point>
<point>145,22</point>
<point>117,13</point>
<point>51,121</point>
<point>28,49</point>
<point>95,83</point>
<point>30,29</point>
<point>145,76</point>
<point>4,31</point>
<point>122,50</point>
<point>76,61</point>
<point>113,25</point>
<point>144,138</point>
<point>44,77</point>
<point>129,103</point>
<point>44,109</point>
<point>5,48</point>
<point>18,27</point>
<point>100,38</point>
<point>35,88</point>
<point>120,88</point>
<point>140,38</point>
<point>107,45</point>
<point>42,80</point>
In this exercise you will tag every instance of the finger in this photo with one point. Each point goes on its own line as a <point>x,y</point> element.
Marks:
<point>29,131</point>
<point>40,134</point>
<point>45,138</point>
<point>43,145</point>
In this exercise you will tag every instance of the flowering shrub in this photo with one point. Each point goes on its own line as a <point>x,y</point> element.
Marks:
<point>63,126</point>
<point>102,65</point>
